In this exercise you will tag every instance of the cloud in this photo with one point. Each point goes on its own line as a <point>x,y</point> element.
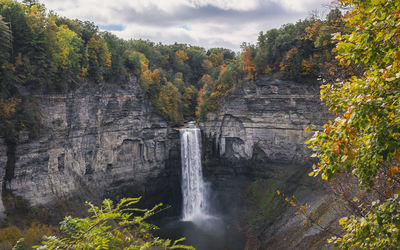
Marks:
<point>226,4</point>
<point>208,23</point>
<point>209,14</point>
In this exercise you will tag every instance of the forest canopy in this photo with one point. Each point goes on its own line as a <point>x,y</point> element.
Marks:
<point>42,52</point>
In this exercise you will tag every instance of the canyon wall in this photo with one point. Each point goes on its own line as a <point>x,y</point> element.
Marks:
<point>105,140</point>
<point>267,117</point>
<point>253,145</point>
<point>101,140</point>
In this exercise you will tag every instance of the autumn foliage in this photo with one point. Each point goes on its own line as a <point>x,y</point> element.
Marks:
<point>362,143</point>
<point>248,64</point>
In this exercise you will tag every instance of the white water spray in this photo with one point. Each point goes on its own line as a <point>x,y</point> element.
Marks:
<point>193,188</point>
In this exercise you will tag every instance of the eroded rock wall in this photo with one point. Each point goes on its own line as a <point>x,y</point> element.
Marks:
<point>268,116</point>
<point>254,145</point>
<point>101,140</point>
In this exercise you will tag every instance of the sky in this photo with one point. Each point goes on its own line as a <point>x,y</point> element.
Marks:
<point>206,23</point>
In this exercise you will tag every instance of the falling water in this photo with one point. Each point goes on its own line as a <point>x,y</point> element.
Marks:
<point>202,226</point>
<point>193,187</point>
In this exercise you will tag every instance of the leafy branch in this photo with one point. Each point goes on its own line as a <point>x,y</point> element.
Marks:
<point>110,226</point>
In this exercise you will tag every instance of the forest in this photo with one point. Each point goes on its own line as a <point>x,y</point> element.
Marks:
<point>353,52</point>
<point>43,53</point>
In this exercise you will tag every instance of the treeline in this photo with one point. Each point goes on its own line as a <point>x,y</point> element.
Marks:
<point>42,52</point>
<point>301,51</point>
<point>174,77</point>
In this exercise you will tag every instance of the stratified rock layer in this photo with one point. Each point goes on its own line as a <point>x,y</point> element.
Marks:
<point>98,141</point>
<point>268,116</point>
<point>254,145</point>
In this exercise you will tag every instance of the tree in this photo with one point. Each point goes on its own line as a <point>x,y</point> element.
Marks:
<point>181,56</point>
<point>196,57</point>
<point>123,61</point>
<point>143,46</point>
<point>14,15</point>
<point>131,60</point>
<point>189,101</point>
<point>5,42</point>
<point>365,140</point>
<point>227,53</point>
<point>291,65</point>
<point>178,81</point>
<point>248,63</point>
<point>216,59</point>
<point>203,104</point>
<point>378,229</point>
<point>228,77</point>
<point>206,82</point>
<point>151,82</point>
<point>66,52</point>
<point>99,58</point>
<point>169,102</point>
<point>6,72</point>
<point>110,226</point>
<point>37,66</point>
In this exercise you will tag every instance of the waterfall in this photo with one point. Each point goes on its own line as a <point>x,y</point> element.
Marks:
<point>194,190</point>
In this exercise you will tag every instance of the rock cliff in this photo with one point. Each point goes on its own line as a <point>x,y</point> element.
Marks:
<point>105,140</point>
<point>253,145</point>
<point>101,140</point>
<point>265,117</point>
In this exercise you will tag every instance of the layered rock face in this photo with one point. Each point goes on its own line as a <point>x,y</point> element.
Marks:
<point>254,145</point>
<point>98,141</point>
<point>266,117</point>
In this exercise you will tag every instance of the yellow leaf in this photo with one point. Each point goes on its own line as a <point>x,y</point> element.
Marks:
<point>392,171</point>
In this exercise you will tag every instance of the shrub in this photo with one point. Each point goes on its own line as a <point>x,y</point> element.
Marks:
<point>9,236</point>
<point>109,227</point>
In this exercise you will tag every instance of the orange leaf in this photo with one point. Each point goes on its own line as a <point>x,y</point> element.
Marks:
<point>336,148</point>
<point>328,130</point>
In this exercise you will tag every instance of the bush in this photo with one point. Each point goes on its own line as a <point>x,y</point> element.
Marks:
<point>34,234</point>
<point>9,236</point>
<point>109,227</point>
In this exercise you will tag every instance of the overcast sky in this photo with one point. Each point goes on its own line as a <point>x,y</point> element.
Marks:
<point>208,23</point>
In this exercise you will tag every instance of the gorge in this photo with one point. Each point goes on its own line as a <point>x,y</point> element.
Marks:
<point>97,151</point>
<point>107,141</point>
